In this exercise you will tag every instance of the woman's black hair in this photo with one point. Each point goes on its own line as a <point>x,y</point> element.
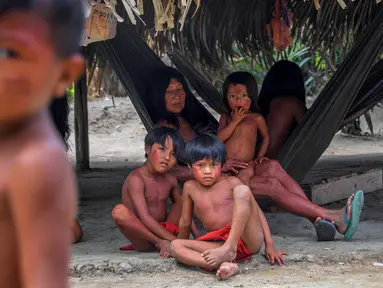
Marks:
<point>160,134</point>
<point>59,110</point>
<point>285,79</point>
<point>158,86</point>
<point>244,78</point>
<point>205,147</point>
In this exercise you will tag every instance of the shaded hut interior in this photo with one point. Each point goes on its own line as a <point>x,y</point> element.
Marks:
<point>205,34</point>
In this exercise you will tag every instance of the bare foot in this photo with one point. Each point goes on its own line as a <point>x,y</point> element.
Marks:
<point>215,257</point>
<point>340,224</point>
<point>226,270</point>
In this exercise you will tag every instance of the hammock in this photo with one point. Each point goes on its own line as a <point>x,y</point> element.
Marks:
<point>368,96</point>
<point>313,135</point>
<point>133,61</point>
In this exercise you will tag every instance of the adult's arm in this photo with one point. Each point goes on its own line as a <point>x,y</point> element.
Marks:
<point>42,196</point>
<point>182,173</point>
<point>135,188</point>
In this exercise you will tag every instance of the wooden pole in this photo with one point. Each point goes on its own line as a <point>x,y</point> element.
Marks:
<point>81,124</point>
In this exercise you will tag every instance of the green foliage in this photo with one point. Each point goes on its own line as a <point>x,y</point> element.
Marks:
<point>70,93</point>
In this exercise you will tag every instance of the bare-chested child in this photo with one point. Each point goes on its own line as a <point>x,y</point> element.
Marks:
<point>142,217</point>
<point>38,60</point>
<point>237,228</point>
<point>239,129</point>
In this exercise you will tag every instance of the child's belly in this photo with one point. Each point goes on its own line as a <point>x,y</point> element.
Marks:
<point>241,149</point>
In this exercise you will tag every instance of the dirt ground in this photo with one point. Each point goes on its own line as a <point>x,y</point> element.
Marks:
<point>117,134</point>
<point>116,144</point>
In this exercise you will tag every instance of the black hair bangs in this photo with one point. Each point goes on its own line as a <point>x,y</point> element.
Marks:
<point>205,147</point>
<point>160,134</point>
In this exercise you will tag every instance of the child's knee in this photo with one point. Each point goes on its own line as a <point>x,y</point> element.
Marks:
<point>120,213</point>
<point>243,192</point>
<point>76,232</point>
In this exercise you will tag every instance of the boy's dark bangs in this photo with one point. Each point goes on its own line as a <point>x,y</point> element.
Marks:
<point>202,153</point>
<point>159,136</point>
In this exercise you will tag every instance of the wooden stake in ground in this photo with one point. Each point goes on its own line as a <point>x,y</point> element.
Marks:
<point>81,124</point>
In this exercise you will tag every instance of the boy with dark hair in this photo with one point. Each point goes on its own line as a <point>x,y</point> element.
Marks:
<point>142,217</point>
<point>236,225</point>
<point>38,58</point>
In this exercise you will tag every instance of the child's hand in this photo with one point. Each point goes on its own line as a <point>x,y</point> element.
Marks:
<point>238,114</point>
<point>260,160</point>
<point>164,247</point>
<point>273,255</point>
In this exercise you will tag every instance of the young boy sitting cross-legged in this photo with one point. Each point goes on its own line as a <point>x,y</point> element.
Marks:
<point>142,216</point>
<point>237,227</point>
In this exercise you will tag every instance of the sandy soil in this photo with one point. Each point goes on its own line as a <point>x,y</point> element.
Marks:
<point>117,134</point>
<point>116,143</point>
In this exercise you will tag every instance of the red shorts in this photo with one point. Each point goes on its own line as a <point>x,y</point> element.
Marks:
<point>168,226</point>
<point>222,234</point>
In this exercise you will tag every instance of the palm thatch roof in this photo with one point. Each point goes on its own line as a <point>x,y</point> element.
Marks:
<point>210,30</point>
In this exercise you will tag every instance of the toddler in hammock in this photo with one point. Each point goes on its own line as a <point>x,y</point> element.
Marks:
<point>239,129</point>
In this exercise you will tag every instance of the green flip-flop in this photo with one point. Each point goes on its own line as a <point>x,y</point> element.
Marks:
<point>356,210</point>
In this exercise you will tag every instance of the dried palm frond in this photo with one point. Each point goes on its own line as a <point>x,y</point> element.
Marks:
<point>207,31</point>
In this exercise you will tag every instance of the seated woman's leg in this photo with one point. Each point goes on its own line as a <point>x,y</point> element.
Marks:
<point>289,201</point>
<point>272,168</point>
<point>295,204</point>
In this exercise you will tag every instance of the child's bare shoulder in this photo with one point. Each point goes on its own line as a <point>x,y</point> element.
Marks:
<point>44,163</point>
<point>257,116</point>
<point>190,185</point>
<point>134,177</point>
<point>225,116</point>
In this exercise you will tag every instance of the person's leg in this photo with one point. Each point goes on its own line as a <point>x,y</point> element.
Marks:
<point>287,200</point>
<point>133,229</point>
<point>189,252</point>
<point>76,232</point>
<point>245,174</point>
<point>245,223</point>
<point>272,168</point>
<point>295,204</point>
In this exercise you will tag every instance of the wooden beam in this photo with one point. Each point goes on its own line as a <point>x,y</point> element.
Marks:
<point>81,124</point>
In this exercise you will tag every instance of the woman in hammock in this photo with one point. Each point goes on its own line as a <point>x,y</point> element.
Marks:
<point>283,103</point>
<point>173,106</point>
<point>59,110</point>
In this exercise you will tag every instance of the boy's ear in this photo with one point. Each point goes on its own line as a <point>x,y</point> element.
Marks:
<point>147,150</point>
<point>72,69</point>
<point>189,166</point>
